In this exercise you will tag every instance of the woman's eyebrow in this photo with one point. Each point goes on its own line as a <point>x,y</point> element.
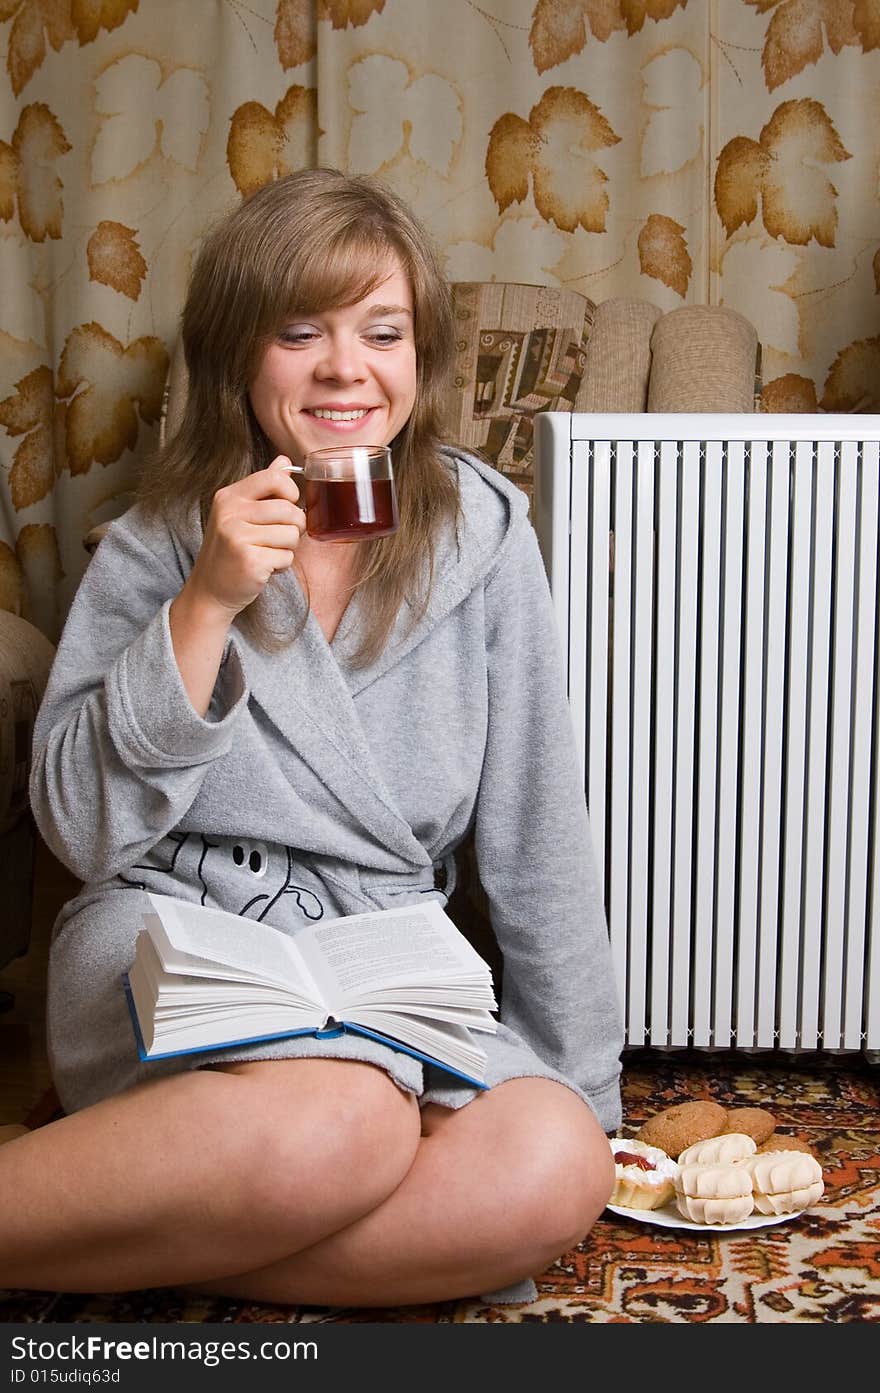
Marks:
<point>385,310</point>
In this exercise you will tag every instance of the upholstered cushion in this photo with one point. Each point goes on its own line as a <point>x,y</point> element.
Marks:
<point>619,359</point>
<point>520,349</point>
<point>704,358</point>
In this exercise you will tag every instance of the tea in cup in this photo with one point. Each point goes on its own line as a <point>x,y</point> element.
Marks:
<point>348,493</point>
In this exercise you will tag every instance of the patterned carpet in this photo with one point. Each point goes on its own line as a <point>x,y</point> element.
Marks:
<point>821,1267</point>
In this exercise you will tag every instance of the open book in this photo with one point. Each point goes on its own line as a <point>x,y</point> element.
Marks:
<point>204,979</point>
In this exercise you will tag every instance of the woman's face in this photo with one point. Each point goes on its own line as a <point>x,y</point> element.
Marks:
<point>345,375</point>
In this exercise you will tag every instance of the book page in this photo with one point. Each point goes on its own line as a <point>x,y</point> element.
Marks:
<point>196,940</point>
<point>407,945</point>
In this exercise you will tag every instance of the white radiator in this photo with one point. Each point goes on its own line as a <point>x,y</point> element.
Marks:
<point>716,584</point>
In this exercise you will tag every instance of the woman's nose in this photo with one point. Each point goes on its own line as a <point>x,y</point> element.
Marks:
<point>341,359</point>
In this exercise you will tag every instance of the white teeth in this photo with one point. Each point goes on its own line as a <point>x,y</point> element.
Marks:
<point>324,415</point>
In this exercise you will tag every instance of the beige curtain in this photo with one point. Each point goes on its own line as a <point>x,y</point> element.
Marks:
<point>679,151</point>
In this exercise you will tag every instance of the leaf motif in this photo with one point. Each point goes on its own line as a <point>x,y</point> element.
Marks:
<point>376,86</point>
<point>384,98</point>
<point>853,384</point>
<point>559,27</point>
<point>101,419</point>
<point>124,96</point>
<point>791,392</point>
<point>663,252</point>
<point>90,16</point>
<point>295,32</point>
<point>866,21</point>
<point>341,13</point>
<point>802,129</point>
<point>571,204</point>
<point>635,11</point>
<point>36,21</point>
<point>262,144</point>
<point>38,142</point>
<point>35,465</point>
<point>133,98</point>
<point>738,180</point>
<point>114,258</point>
<point>9,165</point>
<point>673,135</point>
<point>33,413</point>
<point>570,192</point>
<point>183,90</point>
<point>297,117</point>
<point>566,119</point>
<point>751,273</point>
<point>253,147</point>
<point>558,30</point>
<point>434,112</point>
<point>513,146</point>
<point>796,35</point>
<point>522,250</point>
<point>32,403</point>
<point>798,199</point>
<point>554,146</point>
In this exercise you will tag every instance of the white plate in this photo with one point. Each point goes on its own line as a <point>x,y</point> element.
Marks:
<point>668,1217</point>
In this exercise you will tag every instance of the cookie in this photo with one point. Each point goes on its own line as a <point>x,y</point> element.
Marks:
<point>676,1128</point>
<point>714,1194</point>
<point>757,1123</point>
<point>724,1150</point>
<point>777,1142</point>
<point>784,1182</point>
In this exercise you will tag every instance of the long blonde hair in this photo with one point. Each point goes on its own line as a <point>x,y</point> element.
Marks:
<point>308,242</point>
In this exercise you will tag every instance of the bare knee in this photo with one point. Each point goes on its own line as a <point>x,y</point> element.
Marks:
<point>559,1180</point>
<point>312,1136</point>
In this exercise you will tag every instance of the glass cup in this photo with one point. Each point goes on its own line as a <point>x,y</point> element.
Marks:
<point>348,493</point>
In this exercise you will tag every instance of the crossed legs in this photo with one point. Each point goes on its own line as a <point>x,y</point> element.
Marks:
<point>302,1181</point>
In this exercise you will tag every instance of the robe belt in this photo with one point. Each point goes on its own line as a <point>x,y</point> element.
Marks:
<point>440,875</point>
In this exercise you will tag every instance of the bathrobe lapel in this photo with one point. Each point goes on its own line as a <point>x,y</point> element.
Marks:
<point>308,690</point>
<point>304,694</point>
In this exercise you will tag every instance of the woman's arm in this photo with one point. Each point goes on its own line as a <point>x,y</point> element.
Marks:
<point>119,750</point>
<point>533,844</point>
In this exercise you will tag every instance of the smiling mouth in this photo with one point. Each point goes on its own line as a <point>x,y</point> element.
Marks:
<point>321,413</point>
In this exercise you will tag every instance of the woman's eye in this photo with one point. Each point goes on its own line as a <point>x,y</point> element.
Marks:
<point>295,336</point>
<point>383,337</point>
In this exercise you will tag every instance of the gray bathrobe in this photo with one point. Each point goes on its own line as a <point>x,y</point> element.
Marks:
<point>314,789</point>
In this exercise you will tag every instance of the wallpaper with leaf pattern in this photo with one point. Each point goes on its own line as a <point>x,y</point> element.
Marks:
<point>683,151</point>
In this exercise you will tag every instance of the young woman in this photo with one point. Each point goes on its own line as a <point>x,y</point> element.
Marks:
<point>244,716</point>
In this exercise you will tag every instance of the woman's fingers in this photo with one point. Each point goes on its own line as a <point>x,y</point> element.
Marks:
<point>272,559</point>
<point>271,535</point>
<point>275,481</point>
<point>264,511</point>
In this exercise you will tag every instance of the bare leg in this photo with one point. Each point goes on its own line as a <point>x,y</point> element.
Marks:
<point>201,1174</point>
<point>498,1190</point>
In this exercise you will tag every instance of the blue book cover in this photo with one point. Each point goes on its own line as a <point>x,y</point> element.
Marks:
<point>328,1032</point>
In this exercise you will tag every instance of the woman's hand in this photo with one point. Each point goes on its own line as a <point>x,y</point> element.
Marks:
<point>253,530</point>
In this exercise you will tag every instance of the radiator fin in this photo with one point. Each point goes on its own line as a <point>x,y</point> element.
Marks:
<point>722,610</point>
